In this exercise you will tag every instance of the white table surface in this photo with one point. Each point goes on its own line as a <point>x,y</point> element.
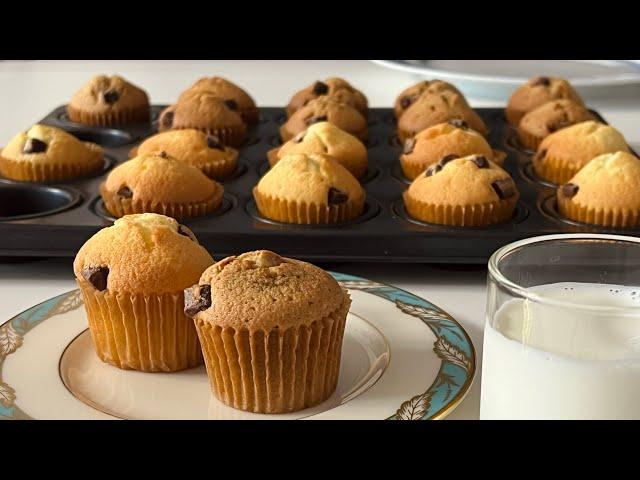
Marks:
<point>29,90</point>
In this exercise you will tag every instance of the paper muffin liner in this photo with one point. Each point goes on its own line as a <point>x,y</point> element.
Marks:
<point>215,170</point>
<point>529,140</point>
<point>499,157</point>
<point>274,371</point>
<point>34,171</point>
<point>411,170</point>
<point>555,170</point>
<point>149,333</point>
<point>513,116</point>
<point>617,218</point>
<point>228,136</point>
<point>121,117</point>
<point>302,213</point>
<point>272,156</point>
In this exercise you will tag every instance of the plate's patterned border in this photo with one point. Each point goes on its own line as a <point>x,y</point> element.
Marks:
<point>453,346</point>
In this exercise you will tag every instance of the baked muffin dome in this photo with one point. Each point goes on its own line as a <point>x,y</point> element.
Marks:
<point>538,91</point>
<point>46,153</point>
<point>324,137</point>
<point>309,189</point>
<point>105,101</point>
<point>335,87</point>
<point>409,95</point>
<point>467,192</point>
<point>325,109</point>
<point>195,148</point>
<point>606,191</point>
<point>160,184</point>
<point>563,153</point>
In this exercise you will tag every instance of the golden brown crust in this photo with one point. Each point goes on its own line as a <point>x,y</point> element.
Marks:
<point>409,95</point>
<point>337,88</point>
<point>538,91</point>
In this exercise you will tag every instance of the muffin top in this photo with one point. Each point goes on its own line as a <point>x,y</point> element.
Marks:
<point>104,94</point>
<point>145,253</point>
<point>408,96</point>
<point>224,89</point>
<point>200,109</point>
<point>553,116</point>
<point>263,291</point>
<point>42,143</point>
<point>538,91</point>
<point>313,179</point>
<point>471,180</point>
<point>335,87</point>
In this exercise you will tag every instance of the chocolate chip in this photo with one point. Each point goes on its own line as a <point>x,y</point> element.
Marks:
<point>480,161</point>
<point>125,192</point>
<point>167,120</point>
<point>336,197</point>
<point>318,119</point>
<point>448,158</point>
<point>544,81</point>
<point>163,154</point>
<point>96,276</point>
<point>299,138</point>
<point>320,88</point>
<point>214,142</point>
<point>432,170</point>
<point>458,123</point>
<point>196,299</point>
<point>558,125</point>
<point>405,102</point>
<point>504,188</point>
<point>33,145</point>
<point>110,96</point>
<point>231,104</point>
<point>569,189</point>
<point>409,145</point>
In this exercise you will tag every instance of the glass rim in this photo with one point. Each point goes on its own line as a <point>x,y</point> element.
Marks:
<point>526,293</point>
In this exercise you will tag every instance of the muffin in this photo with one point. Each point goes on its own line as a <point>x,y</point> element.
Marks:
<point>325,109</point>
<point>207,113</point>
<point>271,330</point>
<point>548,118</point>
<point>229,92</point>
<point>606,191</point>
<point>324,137</point>
<point>195,148</point>
<point>46,153</point>
<point>466,192</point>
<point>160,184</point>
<point>105,101</point>
<point>334,87</point>
<point>408,96</point>
<point>561,154</point>
<point>309,189</point>
<point>538,91</point>
<point>441,141</point>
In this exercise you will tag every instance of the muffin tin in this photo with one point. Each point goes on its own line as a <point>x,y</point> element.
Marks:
<point>55,220</point>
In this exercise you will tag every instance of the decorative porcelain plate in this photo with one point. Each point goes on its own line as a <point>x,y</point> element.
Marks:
<point>402,358</point>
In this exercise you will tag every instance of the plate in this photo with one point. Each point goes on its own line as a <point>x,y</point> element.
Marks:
<point>403,358</point>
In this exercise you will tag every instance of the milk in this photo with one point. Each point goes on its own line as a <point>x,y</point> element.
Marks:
<point>553,361</point>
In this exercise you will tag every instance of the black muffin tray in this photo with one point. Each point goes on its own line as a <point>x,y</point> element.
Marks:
<point>39,220</point>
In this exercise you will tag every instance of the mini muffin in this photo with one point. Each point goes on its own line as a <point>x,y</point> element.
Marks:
<point>408,96</point>
<point>271,330</point>
<point>325,109</point>
<point>563,153</point>
<point>464,192</point>
<point>49,154</point>
<point>324,137</point>
<point>453,138</point>
<point>106,101</point>
<point>334,87</point>
<point>229,92</point>
<point>132,276</point>
<point>606,191</point>
<point>194,147</point>
<point>160,184</point>
<point>309,189</point>
<point>548,118</point>
<point>433,108</point>
<point>207,113</point>
<point>538,91</point>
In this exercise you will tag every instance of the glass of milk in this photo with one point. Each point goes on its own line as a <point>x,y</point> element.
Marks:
<point>562,334</point>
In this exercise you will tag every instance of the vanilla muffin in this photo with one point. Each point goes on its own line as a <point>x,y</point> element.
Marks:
<point>106,101</point>
<point>606,191</point>
<point>453,138</point>
<point>548,118</point>
<point>132,276</point>
<point>334,87</point>
<point>271,330</point>
<point>561,154</point>
<point>46,153</point>
<point>324,137</point>
<point>538,91</point>
<point>465,192</point>
<point>194,147</point>
<point>160,184</point>
<point>408,96</point>
<point>309,189</point>
<point>325,109</point>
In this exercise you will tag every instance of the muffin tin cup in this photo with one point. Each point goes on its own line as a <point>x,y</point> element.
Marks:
<point>22,201</point>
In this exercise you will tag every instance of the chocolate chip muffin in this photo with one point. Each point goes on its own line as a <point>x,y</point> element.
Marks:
<point>132,276</point>
<point>324,137</point>
<point>325,109</point>
<point>464,192</point>
<point>606,191</point>
<point>46,153</point>
<point>334,87</point>
<point>538,91</point>
<point>452,139</point>
<point>271,330</point>
<point>195,148</point>
<point>563,153</point>
<point>309,189</point>
<point>408,96</point>
<point>106,101</point>
<point>160,184</point>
